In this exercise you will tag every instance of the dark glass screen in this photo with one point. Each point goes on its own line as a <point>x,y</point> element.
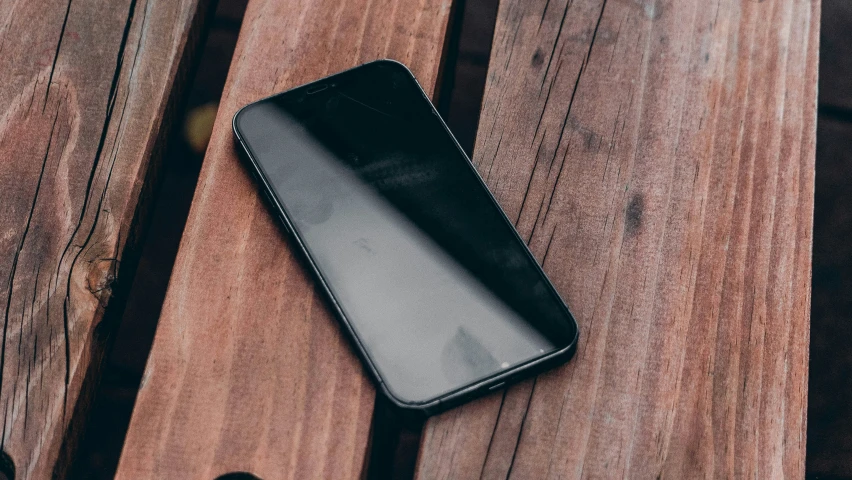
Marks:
<point>417,255</point>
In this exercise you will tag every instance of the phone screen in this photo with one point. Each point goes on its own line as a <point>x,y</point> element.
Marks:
<point>423,265</point>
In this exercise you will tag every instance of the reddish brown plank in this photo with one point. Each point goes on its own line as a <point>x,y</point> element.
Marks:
<point>659,158</point>
<point>249,371</point>
<point>86,89</point>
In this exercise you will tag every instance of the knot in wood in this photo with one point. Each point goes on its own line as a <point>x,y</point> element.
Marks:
<point>101,276</point>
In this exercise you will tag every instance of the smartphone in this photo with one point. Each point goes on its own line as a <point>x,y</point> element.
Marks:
<point>441,297</point>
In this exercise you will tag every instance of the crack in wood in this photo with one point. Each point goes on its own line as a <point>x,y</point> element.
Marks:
<point>15,265</point>
<point>56,55</point>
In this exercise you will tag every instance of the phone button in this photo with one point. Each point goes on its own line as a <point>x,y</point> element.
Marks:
<point>496,386</point>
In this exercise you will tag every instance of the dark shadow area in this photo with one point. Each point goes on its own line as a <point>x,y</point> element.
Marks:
<point>459,95</point>
<point>829,441</point>
<point>7,468</point>
<point>394,443</point>
<point>237,476</point>
<point>104,432</point>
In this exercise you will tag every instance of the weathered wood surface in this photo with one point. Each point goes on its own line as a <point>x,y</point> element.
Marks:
<point>659,158</point>
<point>249,371</point>
<point>86,91</point>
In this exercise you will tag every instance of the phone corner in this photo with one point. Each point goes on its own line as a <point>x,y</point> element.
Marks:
<point>408,409</point>
<point>567,353</point>
<point>235,120</point>
<point>391,62</point>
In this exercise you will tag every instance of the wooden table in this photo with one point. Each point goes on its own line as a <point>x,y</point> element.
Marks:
<point>658,157</point>
<point>87,92</point>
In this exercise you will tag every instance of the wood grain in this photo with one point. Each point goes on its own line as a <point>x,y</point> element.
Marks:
<point>86,92</point>
<point>249,371</point>
<point>659,158</point>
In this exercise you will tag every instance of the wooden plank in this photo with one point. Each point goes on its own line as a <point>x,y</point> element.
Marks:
<point>86,91</point>
<point>249,371</point>
<point>659,158</point>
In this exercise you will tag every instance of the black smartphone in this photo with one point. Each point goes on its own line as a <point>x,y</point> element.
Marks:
<point>442,298</point>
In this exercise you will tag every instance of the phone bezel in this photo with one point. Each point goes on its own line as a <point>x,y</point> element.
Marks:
<point>493,382</point>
